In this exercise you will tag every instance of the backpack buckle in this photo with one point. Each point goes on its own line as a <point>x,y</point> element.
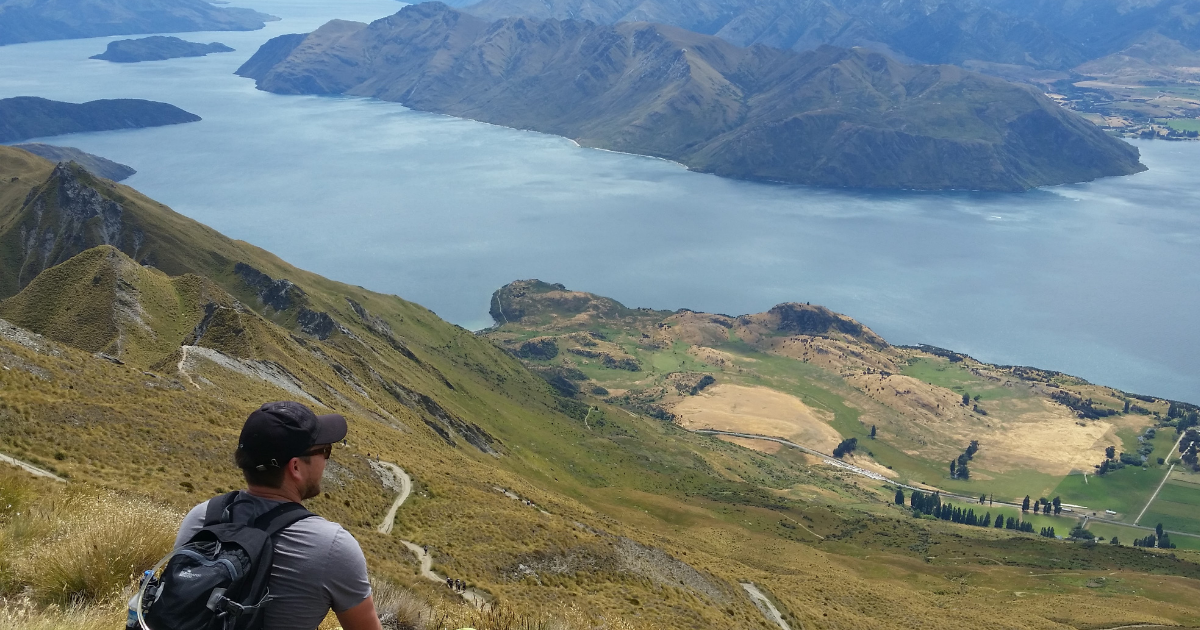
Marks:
<point>218,603</point>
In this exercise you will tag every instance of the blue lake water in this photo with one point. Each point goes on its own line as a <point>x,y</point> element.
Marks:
<point>1100,280</point>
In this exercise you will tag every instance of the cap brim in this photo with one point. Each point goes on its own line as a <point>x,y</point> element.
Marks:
<point>330,428</point>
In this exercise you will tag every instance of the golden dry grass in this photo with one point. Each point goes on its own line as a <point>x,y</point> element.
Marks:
<point>758,410</point>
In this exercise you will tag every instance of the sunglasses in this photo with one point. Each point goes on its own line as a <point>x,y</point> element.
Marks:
<point>324,450</point>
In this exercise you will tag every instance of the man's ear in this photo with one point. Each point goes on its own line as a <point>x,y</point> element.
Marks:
<point>291,470</point>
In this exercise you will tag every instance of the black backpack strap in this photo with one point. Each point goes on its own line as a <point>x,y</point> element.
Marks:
<point>217,506</point>
<point>271,523</point>
<point>280,517</point>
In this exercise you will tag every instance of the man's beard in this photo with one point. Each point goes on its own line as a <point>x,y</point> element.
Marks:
<point>312,489</point>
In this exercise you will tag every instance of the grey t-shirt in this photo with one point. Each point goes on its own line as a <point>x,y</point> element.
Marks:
<point>318,566</point>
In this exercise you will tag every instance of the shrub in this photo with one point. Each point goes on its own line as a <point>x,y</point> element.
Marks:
<point>399,608</point>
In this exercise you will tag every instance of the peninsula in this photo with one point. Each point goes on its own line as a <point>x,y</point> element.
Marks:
<point>828,117</point>
<point>25,117</point>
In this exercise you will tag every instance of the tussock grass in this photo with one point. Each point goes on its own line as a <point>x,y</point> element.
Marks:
<point>70,547</point>
<point>25,614</point>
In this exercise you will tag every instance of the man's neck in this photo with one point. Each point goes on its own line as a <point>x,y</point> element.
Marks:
<point>275,494</point>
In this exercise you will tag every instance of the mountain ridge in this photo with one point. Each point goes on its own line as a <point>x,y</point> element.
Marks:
<point>40,20</point>
<point>829,117</point>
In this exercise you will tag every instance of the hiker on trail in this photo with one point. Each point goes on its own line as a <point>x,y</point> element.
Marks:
<point>449,583</point>
<point>317,565</point>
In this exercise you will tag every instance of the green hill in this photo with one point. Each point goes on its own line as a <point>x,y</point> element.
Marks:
<point>619,519</point>
<point>829,117</point>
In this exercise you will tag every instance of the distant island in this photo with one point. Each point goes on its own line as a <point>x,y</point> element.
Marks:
<point>95,164</point>
<point>25,117</point>
<point>157,48</point>
<point>828,117</point>
<point>40,20</point>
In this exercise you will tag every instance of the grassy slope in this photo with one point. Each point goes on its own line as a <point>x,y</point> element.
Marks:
<point>732,514</point>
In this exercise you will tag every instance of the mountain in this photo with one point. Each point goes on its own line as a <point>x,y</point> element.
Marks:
<point>156,48</point>
<point>1043,34</point>
<point>39,20</point>
<point>25,117</point>
<point>136,359</point>
<point>93,163</point>
<point>829,117</point>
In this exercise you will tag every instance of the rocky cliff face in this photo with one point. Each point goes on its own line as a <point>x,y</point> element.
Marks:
<point>66,216</point>
<point>829,117</point>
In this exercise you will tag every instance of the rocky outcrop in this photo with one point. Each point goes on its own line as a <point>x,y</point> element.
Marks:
<point>441,421</point>
<point>277,294</point>
<point>792,318</point>
<point>828,117</point>
<point>66,216</point>
<point>316,323</point>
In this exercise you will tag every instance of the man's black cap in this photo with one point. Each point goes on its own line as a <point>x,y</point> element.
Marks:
<point>279,431</point>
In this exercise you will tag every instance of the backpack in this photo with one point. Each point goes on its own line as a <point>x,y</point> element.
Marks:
<point>218,580</point>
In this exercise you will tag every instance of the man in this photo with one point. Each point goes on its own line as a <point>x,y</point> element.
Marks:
<point>317,565</point>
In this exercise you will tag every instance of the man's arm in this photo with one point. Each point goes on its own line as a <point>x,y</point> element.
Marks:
<point>360,617</point>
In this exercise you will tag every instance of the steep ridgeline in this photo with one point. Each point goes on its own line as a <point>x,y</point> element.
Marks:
<point>1047,35</point>
<point>39,20</point>
<point>157,48</point>
<point>830,117</point>
<point>25,117</point>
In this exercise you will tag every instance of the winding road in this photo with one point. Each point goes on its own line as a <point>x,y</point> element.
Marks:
<point>471,596</point>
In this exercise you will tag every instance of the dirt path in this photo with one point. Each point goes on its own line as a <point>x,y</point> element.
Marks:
<point>405,489</point>
<point>31,469</point>
<point>764,604</point>
<point>470,595</point>
<point>1161,483</point>
<point>182,360</point>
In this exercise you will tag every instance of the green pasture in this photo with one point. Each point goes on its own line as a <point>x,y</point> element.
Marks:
<point>1181,124</point>
<point>956,377</point>
<point>1177,507</point>
<point>1126,535</point>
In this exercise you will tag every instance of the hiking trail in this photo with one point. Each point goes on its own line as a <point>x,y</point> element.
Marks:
<point>764,604</point>
<point>182,360</point>
<point>30,468</point>
<point>471,596</point>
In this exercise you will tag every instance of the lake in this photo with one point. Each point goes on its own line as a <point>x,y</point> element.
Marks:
<point>1101,280</point>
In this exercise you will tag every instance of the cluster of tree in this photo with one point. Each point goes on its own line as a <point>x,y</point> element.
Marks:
<point>846,447</point>
<point>1042,505</point>
<point>1114,462</point>
<point>1158,539</point>
<point>1014,523</point>
<point>1048,532</point>
<point>958,467</point>
<point>931,505</point>
<point>1189,449</point>
<point>1084,408</point>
